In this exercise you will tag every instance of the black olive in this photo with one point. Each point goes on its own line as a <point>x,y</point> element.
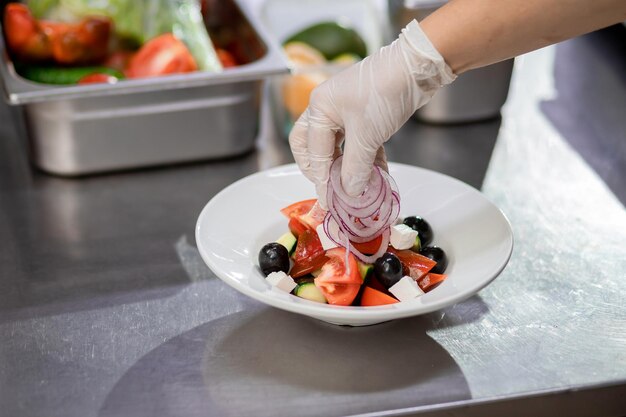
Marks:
<point>423,229</point>
<point>273,257</point>
<point>438,255</point>
<point>388,269</point>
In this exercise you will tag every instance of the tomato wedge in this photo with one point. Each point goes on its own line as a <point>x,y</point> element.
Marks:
<point>226,58</point>
<point>371,297</point>
<point>162,55</point>
<point>430,281</point>
<point>299,208</point>
<point>97,77</point>
<point>413,264</point>
<point>297,227</point>
<point>309,255</point>
<point>368,248</point>
<point>340,283</point>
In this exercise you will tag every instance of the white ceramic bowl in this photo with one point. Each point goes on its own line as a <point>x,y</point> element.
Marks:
<point>244,216</point>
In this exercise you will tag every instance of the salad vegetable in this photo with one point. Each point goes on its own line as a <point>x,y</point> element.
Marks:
<point>335,275</point>
<point>64,41</point>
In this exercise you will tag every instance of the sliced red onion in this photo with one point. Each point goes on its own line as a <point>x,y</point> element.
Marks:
<point>363,218</point>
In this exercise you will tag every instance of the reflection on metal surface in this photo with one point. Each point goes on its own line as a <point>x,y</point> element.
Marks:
<point>266,362</point>
<point>190,259</point>
<point>557,314</point>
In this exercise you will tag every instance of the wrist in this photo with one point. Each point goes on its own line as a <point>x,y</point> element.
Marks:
<point>428,62</point>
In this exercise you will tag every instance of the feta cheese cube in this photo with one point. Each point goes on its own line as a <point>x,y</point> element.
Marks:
<point>402,236</point>
<point>406,289</point>
<point>324,239</point>
<point>281,281</point>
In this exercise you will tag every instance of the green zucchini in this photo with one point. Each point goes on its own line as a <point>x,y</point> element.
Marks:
<point>309,291</point>
<point>62,75</point>
<point>366,270</point>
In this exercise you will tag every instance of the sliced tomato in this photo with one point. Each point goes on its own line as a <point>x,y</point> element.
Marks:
<point>298,209</point>
<point>368,248</point>
<point>162,55</point>
<point>309,255</point>
<point>97,78</point>
<point>315,216</point>
<point>226,58</point>
<point>297,227</point>
<point>430,281</point>
<point>307,212</point>
<point>375,284</point>
<point>372,297</point>
<point>413,264</point>
<point>118,60</point>
<point>340,283</point>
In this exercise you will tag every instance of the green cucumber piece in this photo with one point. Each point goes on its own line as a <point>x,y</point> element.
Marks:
<point>289,241</point>
<point>62,75</point>
<point>310,292</point>
<point>366,270</point>
<point>417,246</point>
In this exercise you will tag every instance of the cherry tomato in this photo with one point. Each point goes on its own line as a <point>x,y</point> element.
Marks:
<point>161,55</point>
<point>309,255</point>
<point>97,78</point>
<point>340,283</point>
<point>413,264</point>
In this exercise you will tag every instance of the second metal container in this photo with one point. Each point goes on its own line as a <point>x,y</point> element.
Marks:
<point>84,129</point>
<point>475,95</point>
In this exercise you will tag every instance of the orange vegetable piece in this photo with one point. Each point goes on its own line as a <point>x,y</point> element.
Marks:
<point>430,281</point>
<point>371,297</point>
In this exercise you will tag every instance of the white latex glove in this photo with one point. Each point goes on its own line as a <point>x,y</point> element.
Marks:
<point>366,104</point>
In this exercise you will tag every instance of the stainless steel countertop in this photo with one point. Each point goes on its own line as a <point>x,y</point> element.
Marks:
<point>106,308</point>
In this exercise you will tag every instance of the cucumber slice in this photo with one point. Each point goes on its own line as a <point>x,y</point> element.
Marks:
<point>417,245</point>
<point>309,291</point>
<point>366,270</point>
<point>288,240</point>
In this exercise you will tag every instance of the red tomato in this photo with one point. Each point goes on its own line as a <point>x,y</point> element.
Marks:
<point>309,255</point>
<point>369,248</point>
<point>97,78</point>
<point>430,281</point>
<point>299,208</point>
<point>340,283</point>
<point>307,213</point>
<point>297,227</point>
<point>372,297</point>
<point>161,55</point>
<point>413,264</point>
<point>118,60</point>
<point>226,58</point>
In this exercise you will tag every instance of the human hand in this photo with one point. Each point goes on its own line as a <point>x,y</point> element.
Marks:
<point>364,105</point>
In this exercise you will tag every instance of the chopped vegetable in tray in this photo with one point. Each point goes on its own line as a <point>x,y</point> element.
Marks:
<point>86,41</point>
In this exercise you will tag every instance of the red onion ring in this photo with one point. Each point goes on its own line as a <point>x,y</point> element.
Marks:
<point>363,218</point>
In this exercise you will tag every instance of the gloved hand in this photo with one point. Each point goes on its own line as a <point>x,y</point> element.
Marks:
<point>366,104</point>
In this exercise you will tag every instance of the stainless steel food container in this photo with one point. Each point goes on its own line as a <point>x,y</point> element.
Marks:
<point>475,95</point>
<point>84,129</point>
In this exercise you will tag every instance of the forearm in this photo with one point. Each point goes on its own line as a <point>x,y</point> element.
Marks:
<point>474,33</point>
